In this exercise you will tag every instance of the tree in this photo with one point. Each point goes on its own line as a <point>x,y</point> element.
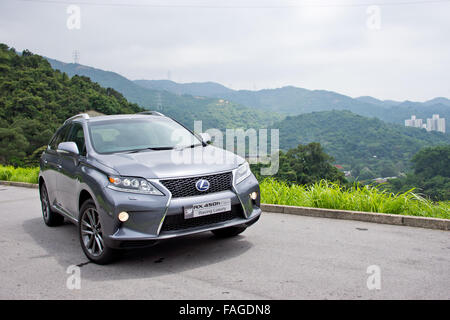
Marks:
<point>35,100</point>
<point>432,161</point>
<point>388,170</point>
<point>366,174</point>
<point>12,145</point>
<point>305,164</point>
<point>431,176</point>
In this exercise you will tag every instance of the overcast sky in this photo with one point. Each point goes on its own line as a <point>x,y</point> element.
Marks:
<point>249,44</point>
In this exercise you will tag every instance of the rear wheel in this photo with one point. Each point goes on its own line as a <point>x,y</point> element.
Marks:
<point>91,235</point>
<point>51,218</point>
<point>228,232</point>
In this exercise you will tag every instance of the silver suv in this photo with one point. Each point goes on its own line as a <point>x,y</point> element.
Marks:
<point>128,181</point>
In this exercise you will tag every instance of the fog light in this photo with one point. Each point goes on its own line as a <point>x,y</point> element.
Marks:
<point>254,195</point>
<point>123,216</point>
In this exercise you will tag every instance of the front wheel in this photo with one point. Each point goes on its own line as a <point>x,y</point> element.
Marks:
<point>228,232</point>
<point>91,235</point>
<point>51,218</point>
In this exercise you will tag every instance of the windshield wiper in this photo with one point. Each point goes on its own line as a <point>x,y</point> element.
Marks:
<point>191,146</point>
<point>151,148</point>
<point>163,148</point>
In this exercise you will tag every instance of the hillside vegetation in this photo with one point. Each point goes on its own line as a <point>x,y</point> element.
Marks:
<point>305,165</point>
<point>369,147</point>
<point>35,100</point>
<point>431,175</point>
<point>292,100</point>
<point>186,108</point>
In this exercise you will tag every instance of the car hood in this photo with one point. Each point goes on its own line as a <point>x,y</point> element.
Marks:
<point>171,163</point>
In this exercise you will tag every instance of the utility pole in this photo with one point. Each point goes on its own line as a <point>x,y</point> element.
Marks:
<point>76,56</point>
<point>159,105</point>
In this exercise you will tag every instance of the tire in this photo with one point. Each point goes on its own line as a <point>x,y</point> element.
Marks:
<point>51,218</point>
<point>91,235</point>
<point>228,232</point>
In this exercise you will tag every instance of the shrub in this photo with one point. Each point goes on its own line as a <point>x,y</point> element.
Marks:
<point>9,173</point>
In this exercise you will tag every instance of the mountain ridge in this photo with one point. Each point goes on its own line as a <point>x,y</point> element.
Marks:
<point>185,108</point>
<point>291,100</point>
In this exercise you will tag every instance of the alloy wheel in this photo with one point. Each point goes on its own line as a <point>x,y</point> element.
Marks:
<point>91,232</point>
<point>44,203</point>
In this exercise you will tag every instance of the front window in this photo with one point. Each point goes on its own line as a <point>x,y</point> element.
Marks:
<point>135,135</point>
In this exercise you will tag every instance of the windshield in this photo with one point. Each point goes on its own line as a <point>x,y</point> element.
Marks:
<point>134,135</point>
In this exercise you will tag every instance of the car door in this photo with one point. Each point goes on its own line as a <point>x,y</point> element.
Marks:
<point>68,179</point>
<point>51,165</point>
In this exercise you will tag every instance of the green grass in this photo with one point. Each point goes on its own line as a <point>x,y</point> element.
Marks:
<point>9,173</point>
<point>359,198</point>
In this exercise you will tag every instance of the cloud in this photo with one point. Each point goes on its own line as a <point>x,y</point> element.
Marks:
<point>313,47</point>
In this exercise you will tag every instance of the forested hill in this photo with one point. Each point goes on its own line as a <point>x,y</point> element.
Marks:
<point>368,146</point>
<point>293,101</point>
<point>186,108</point>
<point>35,99</point>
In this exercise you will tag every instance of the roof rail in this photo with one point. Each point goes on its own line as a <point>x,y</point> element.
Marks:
<point>81,115</point>
<point>152,113</point>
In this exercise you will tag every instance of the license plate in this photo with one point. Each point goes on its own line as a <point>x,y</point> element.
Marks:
<point>207,208</point>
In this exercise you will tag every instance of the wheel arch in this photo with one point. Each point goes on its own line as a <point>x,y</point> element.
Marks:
<point>41,181</point>
<point>84,195</point>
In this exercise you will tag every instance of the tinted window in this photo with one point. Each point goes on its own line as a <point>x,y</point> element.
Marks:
<point>77,135</point>
<point>59,137</point>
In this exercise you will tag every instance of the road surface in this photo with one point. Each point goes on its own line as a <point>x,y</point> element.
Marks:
<point>280,257</point>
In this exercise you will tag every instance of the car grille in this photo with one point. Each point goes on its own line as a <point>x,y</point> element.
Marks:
<point>185,187</point>
<point>178,222</point>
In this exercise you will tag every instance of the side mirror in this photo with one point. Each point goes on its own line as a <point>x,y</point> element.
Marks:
<point>206,138</point>
<point>68,147</point>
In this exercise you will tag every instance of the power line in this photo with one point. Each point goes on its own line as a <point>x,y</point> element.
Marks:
<point>206,6</point>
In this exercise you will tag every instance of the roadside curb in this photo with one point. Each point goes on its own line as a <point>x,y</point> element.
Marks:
<point>19,184</point>
<point>384,218</point>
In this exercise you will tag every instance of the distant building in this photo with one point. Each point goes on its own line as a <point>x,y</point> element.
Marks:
<point>436,124</point>
<point>383,180</point>
<point>413,122</point>
<point>433,124</point>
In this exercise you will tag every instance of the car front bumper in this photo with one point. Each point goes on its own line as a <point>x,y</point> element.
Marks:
<point>148,214</point>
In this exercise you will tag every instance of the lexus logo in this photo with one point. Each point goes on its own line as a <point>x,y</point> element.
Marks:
<point>202,185</point>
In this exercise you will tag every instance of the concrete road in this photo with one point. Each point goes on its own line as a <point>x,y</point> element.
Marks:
<point>280,257</point>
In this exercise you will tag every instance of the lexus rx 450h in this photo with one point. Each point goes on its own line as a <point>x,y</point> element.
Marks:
<point>128,181</point>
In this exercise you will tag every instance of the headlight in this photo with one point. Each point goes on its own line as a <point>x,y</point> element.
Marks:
<point>134,185</point>
<point>242,173</point>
